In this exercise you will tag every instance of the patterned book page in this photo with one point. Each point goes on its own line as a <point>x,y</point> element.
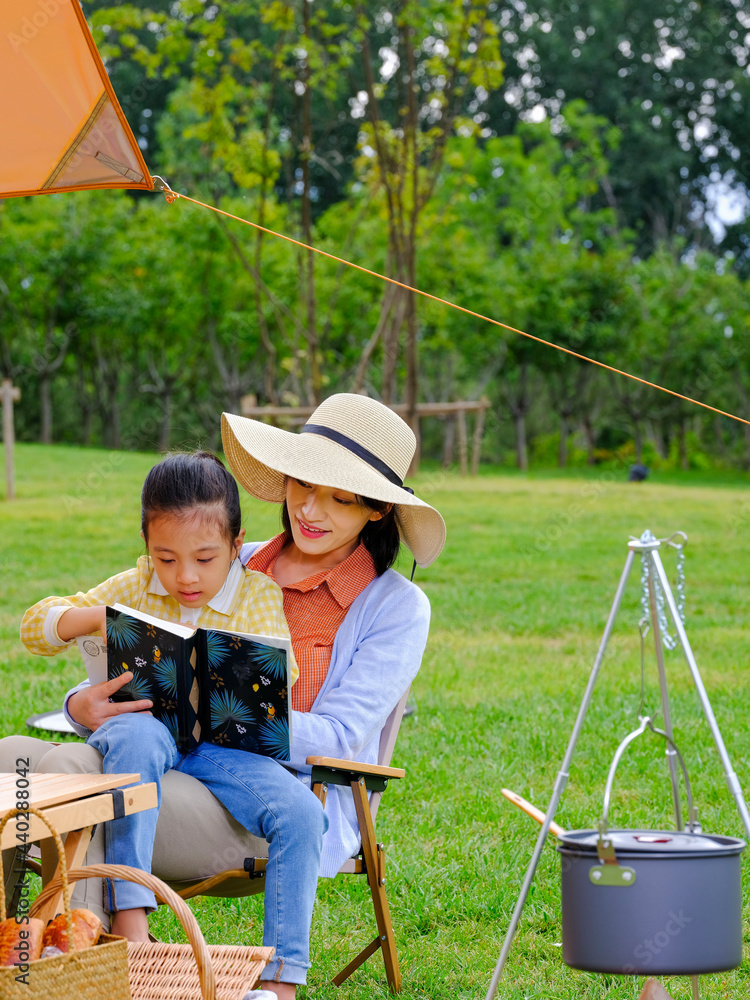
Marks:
<point>248,691</point>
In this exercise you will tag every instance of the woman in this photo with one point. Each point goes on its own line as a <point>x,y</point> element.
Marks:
<point>358,632</point>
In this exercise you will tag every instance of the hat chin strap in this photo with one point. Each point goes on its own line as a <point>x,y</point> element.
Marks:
<point>356,449</point>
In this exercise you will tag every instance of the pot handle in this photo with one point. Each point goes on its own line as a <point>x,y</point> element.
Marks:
<point>646,723</point>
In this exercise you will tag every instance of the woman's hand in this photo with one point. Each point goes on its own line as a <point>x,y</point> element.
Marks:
<point>82,621</point>
<point>91,706</point>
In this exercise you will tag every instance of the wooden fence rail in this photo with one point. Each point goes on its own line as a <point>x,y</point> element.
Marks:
<point>294,415</point>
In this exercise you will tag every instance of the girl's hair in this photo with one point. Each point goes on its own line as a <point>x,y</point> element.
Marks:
<point>184,481</point>
<point>380,538</point>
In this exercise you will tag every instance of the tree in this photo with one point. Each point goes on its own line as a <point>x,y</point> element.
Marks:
<point>671,76</point>
<point>254,112</point>
<point>52,246</point>
<point>435,56</point>
<point>530,197</point>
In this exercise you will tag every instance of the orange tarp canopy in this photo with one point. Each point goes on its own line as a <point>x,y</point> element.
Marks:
<point>61,125</point>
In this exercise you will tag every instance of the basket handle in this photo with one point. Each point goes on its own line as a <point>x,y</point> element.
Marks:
<point>63,879</point>
<point>163,893</point>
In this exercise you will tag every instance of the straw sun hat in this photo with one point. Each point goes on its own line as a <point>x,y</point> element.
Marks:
<point>350,443</point>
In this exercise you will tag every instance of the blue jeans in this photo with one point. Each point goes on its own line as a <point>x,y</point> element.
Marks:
<point>264,797</point>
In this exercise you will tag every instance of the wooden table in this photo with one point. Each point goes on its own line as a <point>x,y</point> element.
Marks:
<point>74,804</point>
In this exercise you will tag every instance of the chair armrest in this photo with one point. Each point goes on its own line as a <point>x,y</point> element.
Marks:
<point>344,772</point>
<point>357,767</point>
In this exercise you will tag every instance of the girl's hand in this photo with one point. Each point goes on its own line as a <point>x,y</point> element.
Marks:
<point>91,706</point>
<point>82,621</point>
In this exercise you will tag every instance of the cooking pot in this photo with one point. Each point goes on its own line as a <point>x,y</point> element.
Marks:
<point>645,902</point>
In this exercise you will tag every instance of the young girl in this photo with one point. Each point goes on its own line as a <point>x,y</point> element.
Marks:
<point>190,522</point>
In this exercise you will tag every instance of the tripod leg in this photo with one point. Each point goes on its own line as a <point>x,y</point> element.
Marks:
<point>732,780</point>
<point>560,781</point>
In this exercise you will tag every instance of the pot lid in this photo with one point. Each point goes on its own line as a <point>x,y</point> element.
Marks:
<point>661,842</point>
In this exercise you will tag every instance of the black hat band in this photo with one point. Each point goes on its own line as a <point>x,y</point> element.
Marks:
<point>356,449</point>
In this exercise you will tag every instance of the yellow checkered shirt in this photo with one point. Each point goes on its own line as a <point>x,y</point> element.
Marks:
<point>257,607</point>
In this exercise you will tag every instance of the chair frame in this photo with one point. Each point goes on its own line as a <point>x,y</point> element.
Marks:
<point>367,783</point>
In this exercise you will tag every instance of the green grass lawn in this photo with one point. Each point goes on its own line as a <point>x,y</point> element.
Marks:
<point>519,601</point>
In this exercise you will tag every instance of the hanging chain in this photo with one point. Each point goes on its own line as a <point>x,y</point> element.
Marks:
<point>661,615</point>
<point>643,629</point>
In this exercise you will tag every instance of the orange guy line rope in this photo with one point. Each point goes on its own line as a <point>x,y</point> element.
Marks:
<point>172,195</point>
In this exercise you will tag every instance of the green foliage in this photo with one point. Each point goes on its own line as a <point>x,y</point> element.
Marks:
<point>406,139</point>
<point>671,76</point>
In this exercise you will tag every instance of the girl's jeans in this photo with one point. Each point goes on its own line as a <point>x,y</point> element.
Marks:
<point>264,797</point>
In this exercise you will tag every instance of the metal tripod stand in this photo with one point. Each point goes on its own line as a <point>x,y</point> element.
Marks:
<point>659,593</point>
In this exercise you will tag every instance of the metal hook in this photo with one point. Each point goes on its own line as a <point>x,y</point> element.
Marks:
<point>677,545</point>
<point>161,185</point>
<point>646,722</point>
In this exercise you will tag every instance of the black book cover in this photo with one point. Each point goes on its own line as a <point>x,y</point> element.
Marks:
<point>206,685</point>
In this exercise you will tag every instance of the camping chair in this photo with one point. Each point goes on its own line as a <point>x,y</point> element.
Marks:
<point>362,779</point>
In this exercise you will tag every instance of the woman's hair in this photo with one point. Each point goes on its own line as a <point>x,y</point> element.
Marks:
<point>380,538</point>
<point>185,481</point>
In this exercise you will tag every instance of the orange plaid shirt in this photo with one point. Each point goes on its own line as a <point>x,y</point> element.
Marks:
<point>314,609</point>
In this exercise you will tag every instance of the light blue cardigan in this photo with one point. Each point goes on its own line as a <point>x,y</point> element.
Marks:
<point>376,655</point>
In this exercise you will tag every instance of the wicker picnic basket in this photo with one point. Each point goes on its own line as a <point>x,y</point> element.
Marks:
<point>77,975</point>
<point>161,971</point>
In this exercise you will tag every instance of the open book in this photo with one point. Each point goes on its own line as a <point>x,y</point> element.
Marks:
<point>206,685</point>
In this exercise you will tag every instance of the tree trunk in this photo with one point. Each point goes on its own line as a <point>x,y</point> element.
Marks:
<point>588,431</point>
<point>308,262</point>
<point>720,444</point>
<point>412,379</point>
<point>165,429</point>
<point>269,376</point>
<point>522,455</point>
<point>682,445</point>
<point>47,371</point>
<point>389,297</point>
<point>745,412</point>
<point>562,452</point>
<point>115,411</point>
<point>660,435</point>
<point>412,325</point>
<point>519,407</point>
<point>86,423</point>
<point>391,338</point>
<point>45,399</point>
<point>85,404</point>
<point>638,440</point>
